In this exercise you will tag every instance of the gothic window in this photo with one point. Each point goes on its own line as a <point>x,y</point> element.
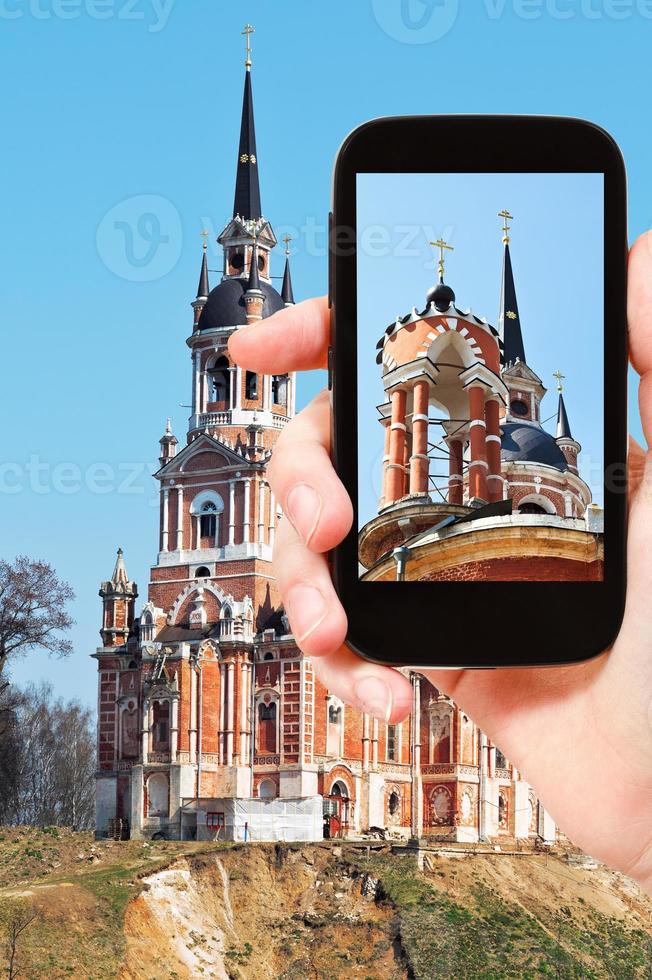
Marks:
<point>268,656</point>
<point>251,385</point>
<point>392,743</point>
<point>441,805</point>
<point>280,390</point>
<point>267,728</point>
<point>334,730</point>
<point>267,789</point>
<point>158,795</point>
<point>236,261</point>
<point>501,761</point>
<point>440,736</point>
<point>129,741</point>
<point>503,811</point>
<point>394,803</point>
<point>208,521</point>
<point>219,376</point>
<point>203,572</point>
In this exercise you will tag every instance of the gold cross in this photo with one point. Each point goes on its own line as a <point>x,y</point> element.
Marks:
<point>441,245</point>
<point>287,241</point>
<point>248,31</point>
<point>560,377</point>
<point>506,216</point>
<point>204,234</point>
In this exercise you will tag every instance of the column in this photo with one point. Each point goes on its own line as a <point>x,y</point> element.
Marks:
<point>231,512</point>
<point>238,387</point>
<point>174,731</point>
<point>231,386</point>
<point>387,430</point>
<point>365,742</point>
<point>478,462</point>
<point>230,713</point>
<point>455,471</point>
<point>417,791</point>
<point>292,395</point>
<point>179,518</point>
<point>395,473</point>
<point>247,508</point>
<point>244,687</point>
<point>192,733</point>
<point>196,388</point>
<point>272,518</point>
<point>267,393</point>
<point>145,733</point>
<point>419,457</point>
<point>165,525</point>
<point>261,511</point>
<point>221,739</point>
<point>494,477</point>
<point>374,744</point>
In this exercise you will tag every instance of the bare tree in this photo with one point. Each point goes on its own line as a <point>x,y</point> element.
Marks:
<point>17,921</point>
<point>32,609</point>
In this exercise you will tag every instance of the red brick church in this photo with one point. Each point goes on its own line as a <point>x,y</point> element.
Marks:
<point>204,696</point>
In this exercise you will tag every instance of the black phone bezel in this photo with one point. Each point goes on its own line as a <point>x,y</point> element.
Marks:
<point>479,624</point>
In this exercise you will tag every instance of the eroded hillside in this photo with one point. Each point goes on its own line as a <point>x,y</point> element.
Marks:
<point>142,911</point>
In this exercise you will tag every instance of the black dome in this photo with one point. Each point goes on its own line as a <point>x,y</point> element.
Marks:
<point>529,444</point>
<point>441,295</point>
<point>225,306</point>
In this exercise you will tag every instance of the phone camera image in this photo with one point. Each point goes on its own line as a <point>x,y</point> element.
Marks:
<point>480,377</point>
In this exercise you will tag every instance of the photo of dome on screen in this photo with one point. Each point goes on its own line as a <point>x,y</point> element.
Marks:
<point>480,369</point>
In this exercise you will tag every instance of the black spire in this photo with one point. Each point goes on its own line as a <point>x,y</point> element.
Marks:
<point>247,188</point>
<point>286,292</point>
<point>203,288</point>
<point>510,322</point>
<point>254,279</point>
<point>563,426</point>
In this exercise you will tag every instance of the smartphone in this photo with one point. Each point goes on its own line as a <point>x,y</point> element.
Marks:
<point>478,369</point>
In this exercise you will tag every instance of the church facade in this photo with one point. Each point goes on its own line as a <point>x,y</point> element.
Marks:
<point>203,694</point>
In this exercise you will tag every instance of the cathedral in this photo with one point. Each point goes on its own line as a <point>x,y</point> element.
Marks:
<point>205,702</point>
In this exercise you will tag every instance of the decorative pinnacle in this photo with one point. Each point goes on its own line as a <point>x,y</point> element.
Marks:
<point>248,31</point>
<point>168,428</point>
<point>205,235</point>
<point>287,241</point>
<point>506,216</point>
<point>560,377</point>
<point>441,245</point>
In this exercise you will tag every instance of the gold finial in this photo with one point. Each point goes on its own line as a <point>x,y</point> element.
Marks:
<point>441,245</point>
<point>205,235</point>
<point>560,377</point>
<point>248,31</point>
<point>506,216</point>
<point>287,241</point>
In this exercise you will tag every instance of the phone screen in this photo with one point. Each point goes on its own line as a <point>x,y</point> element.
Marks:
<point>480,376</point>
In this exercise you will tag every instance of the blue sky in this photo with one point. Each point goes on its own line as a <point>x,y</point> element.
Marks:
<point>115,111</point>
<point>557,257</point>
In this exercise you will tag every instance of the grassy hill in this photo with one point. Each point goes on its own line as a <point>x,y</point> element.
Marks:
<point>139,911</point>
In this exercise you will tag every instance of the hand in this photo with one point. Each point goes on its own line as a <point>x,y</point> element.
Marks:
<point>581,735</point>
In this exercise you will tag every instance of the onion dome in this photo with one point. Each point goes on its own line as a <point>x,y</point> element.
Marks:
<point>441,295</point>
<point>226,306</point>
<point>523,443</point>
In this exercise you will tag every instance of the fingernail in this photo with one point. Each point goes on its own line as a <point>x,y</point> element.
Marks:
<point>303,507</point>
<point>306,608</point>
<point>374,697</point>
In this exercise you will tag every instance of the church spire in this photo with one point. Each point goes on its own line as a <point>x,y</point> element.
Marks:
<point>203,288</point>
<point>247,188</point>
<point>119,572</point>
<point>287,295</point>
<point>563,425</point>
<point>509,322</point>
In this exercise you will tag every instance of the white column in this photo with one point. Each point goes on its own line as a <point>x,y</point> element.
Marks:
<point>267,393</point>
<point>166,519</point>
<point>179,518</point>
<point>247,507</point>
<point>231,511</point>
<point>244,672</point>
<point>238,387</point>
<point>292,394</point>
<point>272,517</point>
<point>174,731</point>
<point>374,744</point>
<point>145,733</point>
<point>232,376</point>
<point>193,715</point>
<point>261,511</point>
<point>196,386</point>
<point>229,715</point>
<point>365,742</point>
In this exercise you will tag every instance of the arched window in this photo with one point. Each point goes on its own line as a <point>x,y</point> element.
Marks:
<point>219,375</point>
<point>267,789</point>
<point>203,572</point>
<point>280,389</point>
<point>393,803</point>
<point>208,521</point>
<point>501,761</point>
<point>268,656</point>
<point>503,811</point>
<point>531,509</point>
<point>440,735</point>
<point>251,385</point>
<point>334,729</point>
<point>158,795</point>
<point>519,407</point>
<point>340,789</point>
<point>392,743</point>
<point>267,727</point>
<point>161,726</point>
